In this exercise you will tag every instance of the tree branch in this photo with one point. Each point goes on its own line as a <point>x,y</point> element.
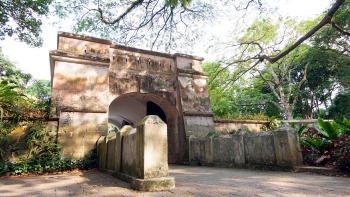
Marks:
<point>337,27</point>
<point>120,17</point>
<point>326,20</point>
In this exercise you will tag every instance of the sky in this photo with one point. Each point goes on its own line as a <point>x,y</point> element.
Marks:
<point>36,60</point>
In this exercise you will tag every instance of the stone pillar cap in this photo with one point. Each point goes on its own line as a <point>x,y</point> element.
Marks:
<point>151,119</point>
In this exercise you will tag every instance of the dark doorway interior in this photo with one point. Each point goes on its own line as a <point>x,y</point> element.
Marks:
<point>154,109</point>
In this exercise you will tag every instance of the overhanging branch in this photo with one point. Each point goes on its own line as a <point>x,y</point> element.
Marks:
<point>326,20</point>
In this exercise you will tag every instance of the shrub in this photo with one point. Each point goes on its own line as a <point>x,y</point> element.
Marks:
<point>42,154</point>
<point>330,138</point>
<point>339,150</point>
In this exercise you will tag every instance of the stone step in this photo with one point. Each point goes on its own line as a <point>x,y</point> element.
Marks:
<point>316,169</point>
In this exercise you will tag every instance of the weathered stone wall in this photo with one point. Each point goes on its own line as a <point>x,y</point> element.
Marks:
<point>79,131</point>
<point>80,87</point>
<point>197,114</point>
<point>279,148</point>
<point>231,126</point>
<point>79,71</point>
<point>132,71</point>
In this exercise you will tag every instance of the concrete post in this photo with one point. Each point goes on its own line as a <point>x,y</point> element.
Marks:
<point>110,143</point>
<point>287,146</point>
<point>102,153</point>
<point>145,156</point>
<point>118,147</point>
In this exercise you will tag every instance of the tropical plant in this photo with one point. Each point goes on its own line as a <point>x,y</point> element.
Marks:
<point>321,135</point>
<point>328,131</point>
<point>328,144</point>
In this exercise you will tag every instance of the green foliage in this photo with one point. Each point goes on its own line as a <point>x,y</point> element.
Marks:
<point>41,89</point>
<point>44,155</point>
<point>345,126</point>
<point>8,97</point>
<point>261,30</point>
<point>228,100</point>
<point>9,72</point>
<point>22,19</point>
<point>213,134</point>
<point>255,116</point>
<point>319,144</point>
<point>300,128</point>
<point>90,161</point>
<point>220,93</point>
<point>340,107</point>
<point>323,133</point>
<point>329,130</point>
<point>330,40</point>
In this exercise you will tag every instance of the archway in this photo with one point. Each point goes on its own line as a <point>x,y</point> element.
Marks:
<point>131,108</point>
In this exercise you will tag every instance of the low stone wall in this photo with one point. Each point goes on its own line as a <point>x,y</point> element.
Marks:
<point>138,156</point>
<point>230,126</point>
<point>278,149</point>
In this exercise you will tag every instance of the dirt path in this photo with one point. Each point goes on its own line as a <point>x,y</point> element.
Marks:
<point>190,181</point>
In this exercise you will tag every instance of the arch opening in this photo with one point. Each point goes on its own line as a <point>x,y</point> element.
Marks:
<point>131,108</point>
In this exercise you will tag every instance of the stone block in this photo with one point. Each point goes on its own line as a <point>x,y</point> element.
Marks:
<point>287,146</point>
<point>83,44</point>
<point>155,147</point>
<point>131,154</point>
<point>223,149</point>
<point>238,147</point>
<point>118,147</point>
<point>153,184</point>
<point>196,155</point>
<point>102,153</point>
<point>111,157</point>
<point>145,156</point>
<point>259,149</point>
<point>200,150</point>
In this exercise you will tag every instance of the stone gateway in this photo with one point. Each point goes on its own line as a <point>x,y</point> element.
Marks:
<point>96,83</point>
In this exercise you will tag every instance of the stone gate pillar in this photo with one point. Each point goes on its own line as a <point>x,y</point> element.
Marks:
<point>79,77</point>
<point>194,96</point>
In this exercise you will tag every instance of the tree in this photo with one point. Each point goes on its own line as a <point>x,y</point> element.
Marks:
<point>22,19</point>
<point>221,92</point>
<point>234,100</point>
<point>340,108</point>
<point>268,36</point>
<point>14,105</point>
<point>278,77</point>
<point>160,24</point>
<point>12,73</point>
<point>264,52</point>
<point>40,89</point>
<point>324,68</point>
<point>335,42</point>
